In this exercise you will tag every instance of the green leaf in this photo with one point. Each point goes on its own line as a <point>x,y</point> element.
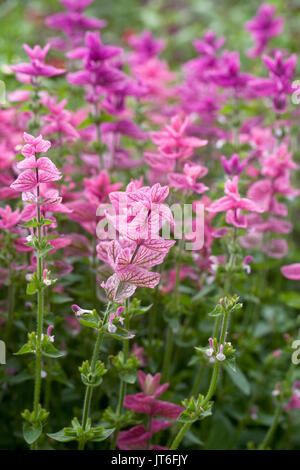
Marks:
<point>31,223</point>
<point>32,432</point>
<point>26,349</point>
<point>60,299</point>
<point>41,253</point>
<point>49,350</point>
<point>292,299</point>
<point>128,376</point>
<point>104,434</point>
<point>60,436</point>
<point>238,378</point>
<point>31,288</point>
<point>121,334</point>
<point>89,320</point>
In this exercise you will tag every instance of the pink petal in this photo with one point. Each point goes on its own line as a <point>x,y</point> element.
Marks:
<point>291,271</point>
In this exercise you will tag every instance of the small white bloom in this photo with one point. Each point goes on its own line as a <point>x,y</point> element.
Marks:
<point>111,328</point>
<point>209,352</point>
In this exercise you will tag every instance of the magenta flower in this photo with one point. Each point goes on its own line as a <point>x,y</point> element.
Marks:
<point>124,127</point>
<point>228,73</point>
<point>138,438</point>
<point>76,5</point>
<point>37,67</point>
<point>95,51</point>
<point>99,187</point>
<point>147,403</point>
<point>145,46</point>
<point>294,403</point>
<point>263,27</point>
<point>209,44</point>
<point>234,166</point>
<point>73,22</point>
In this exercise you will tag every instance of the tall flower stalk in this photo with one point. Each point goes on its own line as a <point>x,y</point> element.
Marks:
<point>37,171</point>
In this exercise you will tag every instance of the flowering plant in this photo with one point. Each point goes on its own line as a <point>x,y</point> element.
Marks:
<point>149,221</point>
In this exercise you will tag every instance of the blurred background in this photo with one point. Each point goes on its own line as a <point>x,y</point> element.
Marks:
<point>178,21</point>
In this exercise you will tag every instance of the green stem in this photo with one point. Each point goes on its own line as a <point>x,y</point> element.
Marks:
<point>48,385</point>
<point>122,392</point>
<point>40,317</point>
<point>198,380</point>
<point>179,436</point>
<point>101,160</point>
<point>211,389</point>
<point>11,305</point>
<point>168,354</point>
<point>271,430</point>
<point>170,334</point>
<point>89,388</point>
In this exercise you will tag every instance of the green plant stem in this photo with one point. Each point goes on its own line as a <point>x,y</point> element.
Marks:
<point>11,305</point>
<point>170,334</point>
<point>168,354</point>
<point>211,388</point>
<point>179,436</point>
<point>101,160</point>
<point>197,382</point>
<point>272,429</point>
<point>48,385</point>
<point>89,388</point>
<point>122,392</point>
<point>40,317</point>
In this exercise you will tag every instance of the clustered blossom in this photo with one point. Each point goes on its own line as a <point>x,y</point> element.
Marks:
<point>137,217</point>
<point>263,27</point>
<point>146,402</point>
<point>276,166</point>
<point>37,66</point>
<point>36,183</point>
<point>73,23</point>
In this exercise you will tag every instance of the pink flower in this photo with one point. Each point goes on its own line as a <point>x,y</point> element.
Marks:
<point>138,438</point>
<point>188,179</point>
<point>233,200</point>
<point>99,187</point>
<point>233,166</point>
<point>34,145</point>
<point>147,403</point>
<point>130,271</point>
<point>36,170</point>
<point>291,271</point>
<point>9,218</point>
<point>263,27</point>
<point>37,66</point>
<point>294,403</point>
<point>138,352</point>
<point>29,179</point>
<point>173,142</point>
